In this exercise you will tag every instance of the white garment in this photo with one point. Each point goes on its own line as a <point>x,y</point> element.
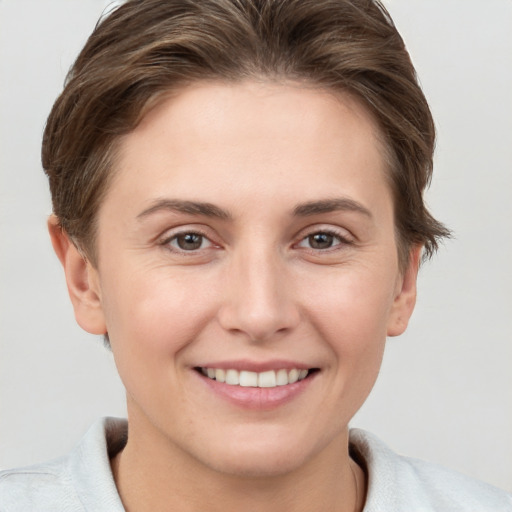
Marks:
<point>83,480</point>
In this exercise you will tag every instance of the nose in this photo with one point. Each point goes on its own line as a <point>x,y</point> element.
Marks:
<point>259,301</point>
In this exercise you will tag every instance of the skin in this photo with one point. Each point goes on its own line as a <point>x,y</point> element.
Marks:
<point>256,289</point>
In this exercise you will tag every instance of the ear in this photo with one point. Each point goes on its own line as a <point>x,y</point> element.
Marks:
<point>405,298</point>
<point>81,278</point>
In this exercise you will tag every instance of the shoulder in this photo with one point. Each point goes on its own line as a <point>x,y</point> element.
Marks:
<point>397,483</point>
<point>78,482</point>
<point>47,485</point>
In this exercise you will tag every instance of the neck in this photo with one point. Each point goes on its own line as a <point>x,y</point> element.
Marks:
<point>157,476</point>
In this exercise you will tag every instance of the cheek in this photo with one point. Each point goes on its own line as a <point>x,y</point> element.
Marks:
<point>151,321</point>
<point>352,308</point>
<point>351,316</point>
<point>355,331</point>
<point>153,314</point>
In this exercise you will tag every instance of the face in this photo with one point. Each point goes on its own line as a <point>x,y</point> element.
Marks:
<point>248,241</point>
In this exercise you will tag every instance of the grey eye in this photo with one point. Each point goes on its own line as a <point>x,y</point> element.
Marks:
<point>322,240</point>
<point>189,241</point>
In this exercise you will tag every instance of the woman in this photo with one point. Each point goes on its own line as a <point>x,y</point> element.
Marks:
<point>237,192</point>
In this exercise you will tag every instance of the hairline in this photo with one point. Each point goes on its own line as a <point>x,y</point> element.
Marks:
<point>113,152</point>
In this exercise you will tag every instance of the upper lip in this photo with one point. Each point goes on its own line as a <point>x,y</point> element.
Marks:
<point>256,366</point>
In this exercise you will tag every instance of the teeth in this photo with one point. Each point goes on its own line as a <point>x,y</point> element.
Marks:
<point>268,379</point>
<point>293,376</point>
<point>282,377</point>
<point>248,379</point>
<point>232,377</point>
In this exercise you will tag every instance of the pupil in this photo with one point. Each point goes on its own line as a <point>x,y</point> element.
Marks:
<point>321,240</point>
<point>189,241</point>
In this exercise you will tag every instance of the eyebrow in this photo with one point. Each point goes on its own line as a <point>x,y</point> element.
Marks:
<point>190,207</point>
<point>210,210</point>
<point>330,205</point>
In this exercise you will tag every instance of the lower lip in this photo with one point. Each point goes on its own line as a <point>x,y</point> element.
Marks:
<point>258,398</point>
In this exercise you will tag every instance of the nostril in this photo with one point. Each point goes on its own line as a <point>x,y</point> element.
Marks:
<point>258,308</point>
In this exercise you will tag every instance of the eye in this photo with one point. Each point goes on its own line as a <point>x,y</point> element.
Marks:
<point>189,241</point>
<point>322,240</point>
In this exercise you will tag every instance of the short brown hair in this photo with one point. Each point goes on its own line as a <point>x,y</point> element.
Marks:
<point>146,48</point>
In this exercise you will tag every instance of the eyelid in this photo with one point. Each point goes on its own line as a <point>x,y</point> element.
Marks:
<point>204,241</point>
<point>344,236</point>
<point>340,232</point>
<point>171,234</point>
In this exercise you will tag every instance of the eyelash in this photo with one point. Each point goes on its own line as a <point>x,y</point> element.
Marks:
<point>167,242</point>
<point>341,240</point>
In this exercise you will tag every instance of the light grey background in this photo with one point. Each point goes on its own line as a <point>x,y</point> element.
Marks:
<point>445,390</point>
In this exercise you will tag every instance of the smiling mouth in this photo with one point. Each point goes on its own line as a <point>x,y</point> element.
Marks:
<point>266,379</point>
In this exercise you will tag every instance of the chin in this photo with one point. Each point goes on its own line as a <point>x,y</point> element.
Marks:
<point>261,456</point>
<point>262,464</point>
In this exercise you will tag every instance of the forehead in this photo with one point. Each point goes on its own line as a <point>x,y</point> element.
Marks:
<point>260,138</point>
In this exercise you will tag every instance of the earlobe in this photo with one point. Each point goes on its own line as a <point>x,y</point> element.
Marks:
<point>81,279</point>
<point>405,299</point>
